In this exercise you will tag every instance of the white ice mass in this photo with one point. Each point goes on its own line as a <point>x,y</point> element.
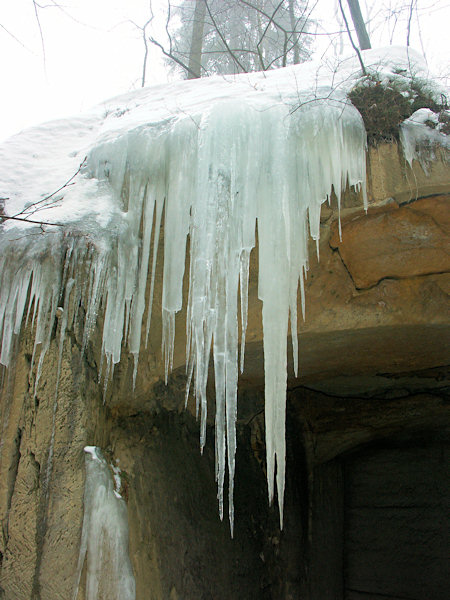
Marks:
<point>104,537</point>
<point>213,159</point>
<point>421,135</point>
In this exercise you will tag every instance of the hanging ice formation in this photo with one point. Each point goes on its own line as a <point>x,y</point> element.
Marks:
<point>254,152</point>
<point>104,536</point>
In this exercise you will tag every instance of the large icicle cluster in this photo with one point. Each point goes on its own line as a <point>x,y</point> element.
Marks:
<point>228,158</point>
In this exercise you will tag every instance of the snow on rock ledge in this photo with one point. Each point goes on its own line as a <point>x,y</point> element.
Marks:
<point>219,156</point>
<point>421,135</point>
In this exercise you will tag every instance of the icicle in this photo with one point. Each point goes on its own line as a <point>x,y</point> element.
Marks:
<point>98,270</point>
<point>139,297</point>
<point>62,334</point>
<point>302,289</point>
<point>220,431</point>
<point>45,321</point>
<point>243,279</point>
<point>168,341</point>
<point>159,208</point>
<point>293,319</point>
<point>190,372</point>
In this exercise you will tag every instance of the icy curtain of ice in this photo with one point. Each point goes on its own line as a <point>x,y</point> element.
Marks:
<point>421,137</point>
<point>217,175</point>
<point>104,537</point>
<point>40,273</point>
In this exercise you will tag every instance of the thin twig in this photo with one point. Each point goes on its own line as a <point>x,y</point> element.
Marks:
<point>36,12</point>
<point>15,38</point>
<point>37,205</point>
<point>4,218</point>
<point>144,38</point>
<point>269,22</point>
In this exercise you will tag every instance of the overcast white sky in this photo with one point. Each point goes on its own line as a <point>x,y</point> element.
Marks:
<point>93,51</point>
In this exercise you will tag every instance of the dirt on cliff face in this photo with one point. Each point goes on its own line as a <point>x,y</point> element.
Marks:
<point>42,471</point>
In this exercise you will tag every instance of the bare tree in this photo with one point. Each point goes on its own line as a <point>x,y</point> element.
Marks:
<point>295,33</point>
<point>143,30</point>
<point>235,36</point>
<point>360,26</point>
<point>195,52</point>
<point>355,47</point>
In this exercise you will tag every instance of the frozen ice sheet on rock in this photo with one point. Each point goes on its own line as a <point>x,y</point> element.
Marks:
<point>104,537</point>
<point>420,136</point>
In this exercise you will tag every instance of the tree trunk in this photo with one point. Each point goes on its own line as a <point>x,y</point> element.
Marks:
<point>195,52</point>
<point>294,32</point>
<point>360,26</point>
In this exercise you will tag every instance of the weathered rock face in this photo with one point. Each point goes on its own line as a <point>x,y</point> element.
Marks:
<point>42,471</point>
<point>396,242</point>
<point>369,404</point>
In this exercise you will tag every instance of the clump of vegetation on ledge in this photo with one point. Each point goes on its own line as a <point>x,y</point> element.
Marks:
<point>384,104</point>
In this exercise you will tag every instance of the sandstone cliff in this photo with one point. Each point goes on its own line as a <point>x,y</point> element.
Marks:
<point>374,356</point>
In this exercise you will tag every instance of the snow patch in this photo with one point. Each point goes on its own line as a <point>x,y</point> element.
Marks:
<point>117,479</point>
<point>93,451</point>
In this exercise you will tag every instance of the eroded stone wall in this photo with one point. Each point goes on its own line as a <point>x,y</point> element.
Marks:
<point>373,367</point>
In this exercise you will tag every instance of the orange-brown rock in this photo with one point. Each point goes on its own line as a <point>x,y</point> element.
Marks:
<point>398,242</point>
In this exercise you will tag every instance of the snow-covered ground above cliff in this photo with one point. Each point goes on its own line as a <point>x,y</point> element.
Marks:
<point>38,161</point>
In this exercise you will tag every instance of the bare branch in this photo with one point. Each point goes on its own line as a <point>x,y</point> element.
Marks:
<point>233,56</point>
<point>36,12</point>
<point>419,29</point>
<point>4,218</point>
<point>356,49</point>
<point>69,16</point>
<point>261,11</point>
<point>142,29</point>
<point>43,203</point>
<point>270,21</point>
<point>408,29</point>
<point>15,38</point>
<point>167,27</point>
<point>289,35</point>
<point>170,55</point>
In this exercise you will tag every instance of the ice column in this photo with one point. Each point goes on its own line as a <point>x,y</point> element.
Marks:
<point>104,537</point>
